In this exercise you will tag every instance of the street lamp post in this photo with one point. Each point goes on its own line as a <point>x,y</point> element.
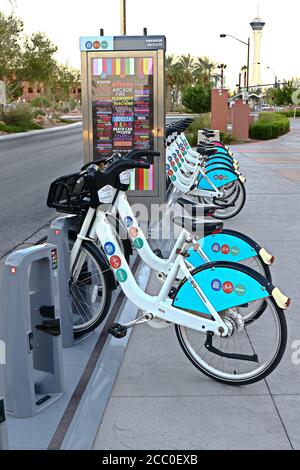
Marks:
<point>248,54</point>
<point>123,17</point>
<point>222,67</point>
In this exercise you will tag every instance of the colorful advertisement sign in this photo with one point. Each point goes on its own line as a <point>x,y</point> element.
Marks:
<point>122,92</point>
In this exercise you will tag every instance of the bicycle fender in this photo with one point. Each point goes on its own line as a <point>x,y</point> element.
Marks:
<point>225,246</point>
<point>219,177</point>
<point>226,285</point>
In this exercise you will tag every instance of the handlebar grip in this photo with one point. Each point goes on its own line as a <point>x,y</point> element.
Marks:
<point>92,171</point>
<point>138,154</point>
<point>143,165</point>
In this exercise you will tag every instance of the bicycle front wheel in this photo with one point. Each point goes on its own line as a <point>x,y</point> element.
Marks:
<point>249,355</point>
<point>90,290</point>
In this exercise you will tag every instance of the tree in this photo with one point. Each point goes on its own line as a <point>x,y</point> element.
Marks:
<point>283,95</point>
<point>64,78</point>
<point>38,63</point>
<point>205,70</point>
<point>171,80</point>
<point>10,46</point>
<point>197,98</point>
<point>184,69</point>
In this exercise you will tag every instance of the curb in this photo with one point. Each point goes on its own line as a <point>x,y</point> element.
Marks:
<point>23,135</point>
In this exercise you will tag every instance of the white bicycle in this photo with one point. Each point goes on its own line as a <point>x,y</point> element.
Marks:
<point>203,305</point>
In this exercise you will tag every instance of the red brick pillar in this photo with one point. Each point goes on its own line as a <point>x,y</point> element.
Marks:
<point>240,120</point>
<point>219,109</point>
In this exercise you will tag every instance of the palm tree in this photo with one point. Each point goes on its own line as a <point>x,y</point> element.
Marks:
<point>185,65</point>
<point>171,80</point>
<point>205,71</point>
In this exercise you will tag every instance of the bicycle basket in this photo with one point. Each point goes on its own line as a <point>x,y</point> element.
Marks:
<point>69,194</point>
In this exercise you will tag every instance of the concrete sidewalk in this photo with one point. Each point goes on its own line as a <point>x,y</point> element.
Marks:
<point>160,401</point>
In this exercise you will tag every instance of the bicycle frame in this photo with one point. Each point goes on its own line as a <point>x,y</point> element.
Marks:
<point>159,306</point>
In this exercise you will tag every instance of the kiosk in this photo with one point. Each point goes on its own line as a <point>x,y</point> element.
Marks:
<point>123,97</point>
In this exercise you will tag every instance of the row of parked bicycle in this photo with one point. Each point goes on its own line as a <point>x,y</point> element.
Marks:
<point>216,284</point>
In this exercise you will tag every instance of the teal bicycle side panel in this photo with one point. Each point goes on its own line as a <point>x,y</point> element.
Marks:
<point>221,247</point>
<point>223,151</point>
<point>223,157</point>
<point>217,164</point>
<point>224,287</point>
<point>219,178</point>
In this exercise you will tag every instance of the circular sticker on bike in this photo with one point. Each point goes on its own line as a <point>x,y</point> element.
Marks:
<point>122,275</point>
<point>170,159</point>
<point>170,172</point>
<point>109,248</point>
<point>128,221</point>
<point>225,249</point>
<point>138,243</point>
<point>228,287</point>
<point>240,290</point>
<point>133,232</point>
<point>115,262</point>
<point>216,285</point>
<point>173,178</point>
<point>235,251</point>
<point>216,248</point>
<point>172,163</point>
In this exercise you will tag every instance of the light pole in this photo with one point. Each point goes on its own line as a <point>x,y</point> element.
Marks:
<point>222,67</point>
<point>248,54</point>
<point>275,75</point>
<point>123,17</point>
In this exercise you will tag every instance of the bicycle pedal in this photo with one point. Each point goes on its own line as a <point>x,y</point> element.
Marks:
<point>118,331</point>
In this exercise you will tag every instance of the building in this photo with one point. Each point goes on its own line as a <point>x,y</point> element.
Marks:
<point>257,25</point>
<point>32,91</point>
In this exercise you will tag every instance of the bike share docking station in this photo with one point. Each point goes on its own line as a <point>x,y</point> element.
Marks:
<point>123,108</point>
<point>31,331</point>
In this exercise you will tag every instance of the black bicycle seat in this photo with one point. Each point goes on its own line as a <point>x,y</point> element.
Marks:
<point>208,152</point>
<point>197,226</point>
<point>194,209</point>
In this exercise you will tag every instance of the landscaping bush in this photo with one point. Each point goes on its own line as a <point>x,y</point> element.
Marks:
<point>290,114</point>
<point>199,123</point>
<point>40,102</point>
<point>197,98</point>
<point>19,119</point>
<point>227,139</point>
<point>269,126</point>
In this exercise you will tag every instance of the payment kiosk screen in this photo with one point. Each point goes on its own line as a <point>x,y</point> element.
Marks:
<point>122,92</point>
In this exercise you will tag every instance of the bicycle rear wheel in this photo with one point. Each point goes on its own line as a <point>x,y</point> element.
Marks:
<point>246,357</point>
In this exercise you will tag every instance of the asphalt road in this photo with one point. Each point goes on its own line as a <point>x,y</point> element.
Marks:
<point>27,167</point>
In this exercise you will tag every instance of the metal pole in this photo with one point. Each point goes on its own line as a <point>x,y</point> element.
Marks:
<point>123,17</point>
<point>248,65</point>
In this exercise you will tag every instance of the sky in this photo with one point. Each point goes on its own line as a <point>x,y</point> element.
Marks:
<point>191,26</point>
